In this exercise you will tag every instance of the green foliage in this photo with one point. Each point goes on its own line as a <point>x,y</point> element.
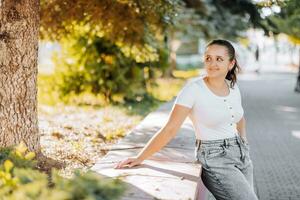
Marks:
<point>88,186</point>
<point>93,64</point>
<point>18,155</point>
<point>113,54</point>
<point>287,20</point>
<point>212,19</point>
<point>129,21</point>
<point>109,48</point>
<point>140,21</point>
<point>30,184</point>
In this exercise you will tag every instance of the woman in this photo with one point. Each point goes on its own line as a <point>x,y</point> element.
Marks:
<point>213,102</point>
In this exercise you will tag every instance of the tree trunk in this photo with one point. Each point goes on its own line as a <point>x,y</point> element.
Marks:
<point>297,88</point>
<point>19,28</point>
<point>172,58</point>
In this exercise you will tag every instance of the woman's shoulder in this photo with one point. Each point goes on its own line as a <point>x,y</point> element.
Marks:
<point>196,81</point>
<point>235,86</point>
<point>235,89</point>
<point>192,86</point>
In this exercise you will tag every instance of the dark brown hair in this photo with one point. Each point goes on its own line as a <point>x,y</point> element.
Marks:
<point>232,74</point>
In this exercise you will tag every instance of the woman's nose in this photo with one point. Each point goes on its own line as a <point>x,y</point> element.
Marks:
<point>212,63</point>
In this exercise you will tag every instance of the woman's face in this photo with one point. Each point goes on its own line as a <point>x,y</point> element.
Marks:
<point>216,61</point>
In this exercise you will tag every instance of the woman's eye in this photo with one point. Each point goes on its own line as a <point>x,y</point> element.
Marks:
<point>219,59</point>
<point>207,59</point>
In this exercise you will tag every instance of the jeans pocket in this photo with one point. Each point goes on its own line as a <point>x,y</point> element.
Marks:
<point>246,144</point>
<point>213,152</point>
<point>200,156</point>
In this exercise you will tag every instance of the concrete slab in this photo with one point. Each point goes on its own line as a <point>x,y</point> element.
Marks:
<point>171,173</point>
<point>159,177</point>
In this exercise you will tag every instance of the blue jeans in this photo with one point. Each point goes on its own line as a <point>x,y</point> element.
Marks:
<point>227,170</point>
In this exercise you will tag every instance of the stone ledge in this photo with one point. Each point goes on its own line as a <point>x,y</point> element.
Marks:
<point>170,174</point>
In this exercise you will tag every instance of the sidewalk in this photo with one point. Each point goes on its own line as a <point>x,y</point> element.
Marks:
<point>272,112</point>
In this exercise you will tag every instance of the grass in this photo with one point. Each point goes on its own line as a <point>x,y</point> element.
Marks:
<point>164,90</point>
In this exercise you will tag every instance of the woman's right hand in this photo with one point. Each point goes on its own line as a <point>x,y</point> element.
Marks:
<point>129,162</point>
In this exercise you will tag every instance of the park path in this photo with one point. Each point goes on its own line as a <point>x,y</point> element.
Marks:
<point>272,111</point>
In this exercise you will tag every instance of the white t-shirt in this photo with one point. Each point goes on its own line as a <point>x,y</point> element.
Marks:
<point>214,117</point>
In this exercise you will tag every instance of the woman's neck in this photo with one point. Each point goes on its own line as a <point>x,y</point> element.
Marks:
<point>217,83</point>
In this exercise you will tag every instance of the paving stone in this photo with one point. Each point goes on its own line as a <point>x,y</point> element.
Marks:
<point>272,111</point>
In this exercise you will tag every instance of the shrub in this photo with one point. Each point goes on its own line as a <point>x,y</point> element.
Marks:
<point>21,180</point>
<point>88,62</point>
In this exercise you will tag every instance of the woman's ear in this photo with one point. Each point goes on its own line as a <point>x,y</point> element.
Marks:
<point>232,64</point>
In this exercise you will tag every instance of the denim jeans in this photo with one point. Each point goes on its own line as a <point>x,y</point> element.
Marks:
<point>227,170</point>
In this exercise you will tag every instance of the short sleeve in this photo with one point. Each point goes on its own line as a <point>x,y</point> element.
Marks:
<point>238,92</point>
<point>186,96</point>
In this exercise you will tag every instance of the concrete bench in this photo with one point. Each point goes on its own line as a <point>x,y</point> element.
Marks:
<point>171,173</point>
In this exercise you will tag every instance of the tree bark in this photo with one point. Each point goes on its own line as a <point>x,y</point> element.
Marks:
<point>19,28</point>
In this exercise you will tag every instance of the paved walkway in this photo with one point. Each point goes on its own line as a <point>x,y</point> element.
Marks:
<point>272,112</point>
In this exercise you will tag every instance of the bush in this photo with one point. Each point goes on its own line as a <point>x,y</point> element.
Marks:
<point>19,156</point>
<point>90,63</point>
<point>21,180</point>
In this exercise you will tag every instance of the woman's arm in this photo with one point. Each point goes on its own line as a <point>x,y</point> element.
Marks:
<point>161,138</point>
<point>241,127</point>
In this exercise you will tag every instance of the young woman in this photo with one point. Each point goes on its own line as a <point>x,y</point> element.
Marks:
<point>213,103</point>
